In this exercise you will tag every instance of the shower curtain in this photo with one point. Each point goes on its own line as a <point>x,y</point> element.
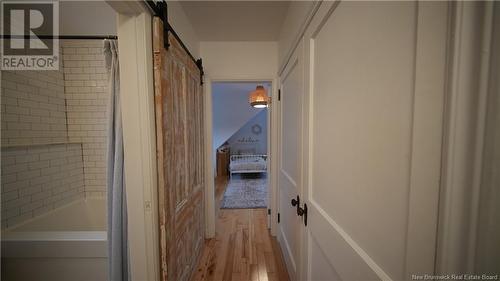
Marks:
<point>117,205</point>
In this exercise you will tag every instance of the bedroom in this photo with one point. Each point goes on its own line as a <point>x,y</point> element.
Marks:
<point>240,143</point>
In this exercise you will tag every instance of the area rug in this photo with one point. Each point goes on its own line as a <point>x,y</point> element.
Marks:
<point>245,193</point>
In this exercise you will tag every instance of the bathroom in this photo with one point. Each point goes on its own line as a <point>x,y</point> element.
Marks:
<point>54,155</point>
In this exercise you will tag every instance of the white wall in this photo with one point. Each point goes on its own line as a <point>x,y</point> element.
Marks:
<point>240,60</point>
<point>183,27</point>
<point>86,18</point>
<point>294,20</point>
<point>246,140</point>
<point>236,61</point>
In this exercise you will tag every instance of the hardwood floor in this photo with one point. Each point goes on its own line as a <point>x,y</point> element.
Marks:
<point>243,249</point>
<point>220,186</point>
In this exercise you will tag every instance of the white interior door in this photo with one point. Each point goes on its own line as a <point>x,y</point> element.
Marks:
<point>375,76</point>
<point>289,167</point>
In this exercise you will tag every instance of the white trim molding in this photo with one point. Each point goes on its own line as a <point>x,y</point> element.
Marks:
<point>210,206</point>
<point>463,136</point>
<point>298,37</point>
<point>210,211</point>
<point>139,137</point>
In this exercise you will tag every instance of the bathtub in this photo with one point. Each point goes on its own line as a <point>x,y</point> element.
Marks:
<point>69,243</point>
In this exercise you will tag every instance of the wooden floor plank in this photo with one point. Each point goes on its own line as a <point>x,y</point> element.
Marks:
<point>207,263</point>
<point>279,261</point>
<point>261,262</point>
<point>243,249</point>
<point>228,266</point>
<point>270,262</point>
<point>254,272</point>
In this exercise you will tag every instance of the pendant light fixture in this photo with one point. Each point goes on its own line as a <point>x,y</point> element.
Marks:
<point>259,98</point>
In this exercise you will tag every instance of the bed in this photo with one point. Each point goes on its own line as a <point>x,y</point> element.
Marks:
<point>247,163</point>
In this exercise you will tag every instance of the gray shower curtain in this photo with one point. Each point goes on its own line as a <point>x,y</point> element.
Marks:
<point>117,205</point>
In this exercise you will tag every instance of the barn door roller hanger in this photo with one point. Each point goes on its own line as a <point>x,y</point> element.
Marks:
<point>159,9</point>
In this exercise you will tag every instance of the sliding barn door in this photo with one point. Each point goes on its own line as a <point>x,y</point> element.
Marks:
<point>179,130</point>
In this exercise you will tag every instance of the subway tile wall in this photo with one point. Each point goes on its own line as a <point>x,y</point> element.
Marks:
<point>61,113</point>
<point>85,81</point>
<point>39,178</point>
<point>33,107</point>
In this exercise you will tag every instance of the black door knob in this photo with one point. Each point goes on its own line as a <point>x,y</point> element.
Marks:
<point>303,213</point>
<point>300,211</point>
<point>296,202</point>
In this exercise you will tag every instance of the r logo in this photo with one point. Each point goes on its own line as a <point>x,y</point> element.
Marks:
<point>31,20</point>
<point>28,29</point>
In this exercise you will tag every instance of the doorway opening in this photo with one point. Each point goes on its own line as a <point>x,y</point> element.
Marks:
<point>240,146</point>
<point>239,163</point>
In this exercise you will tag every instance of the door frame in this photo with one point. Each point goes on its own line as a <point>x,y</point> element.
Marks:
<point>296,58</point>
<point>418,167</point>
<point>467,97</point>
<point>134,30</point>
<point>210,204</point>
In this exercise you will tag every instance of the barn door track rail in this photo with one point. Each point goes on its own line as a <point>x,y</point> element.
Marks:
<point>159,9</point>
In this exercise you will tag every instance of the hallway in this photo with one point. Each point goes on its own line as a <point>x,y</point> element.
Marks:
<point>348,140</point>
<point>243,248</point>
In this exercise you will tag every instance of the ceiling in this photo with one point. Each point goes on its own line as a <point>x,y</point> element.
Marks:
<point>236,20</point>
<point>74,18</point>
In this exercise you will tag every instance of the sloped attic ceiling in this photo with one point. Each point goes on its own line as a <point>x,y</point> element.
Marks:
<point>231,109</point>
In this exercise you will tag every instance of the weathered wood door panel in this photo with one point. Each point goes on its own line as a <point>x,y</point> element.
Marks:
<point>179,129</point>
